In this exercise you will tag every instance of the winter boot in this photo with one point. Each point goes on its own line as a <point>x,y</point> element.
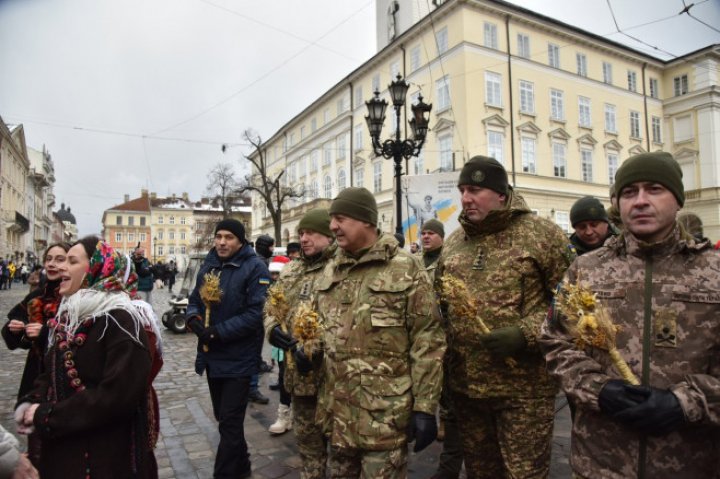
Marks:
<point>284,420</point>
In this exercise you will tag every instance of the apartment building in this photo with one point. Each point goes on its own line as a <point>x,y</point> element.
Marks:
<point>560,107</point>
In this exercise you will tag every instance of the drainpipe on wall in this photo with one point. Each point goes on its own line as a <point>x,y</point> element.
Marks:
<point>647,130</point>
<point>352,132</point>
<point>510,89</point>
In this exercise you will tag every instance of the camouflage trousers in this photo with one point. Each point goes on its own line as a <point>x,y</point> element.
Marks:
<point>312,445</point>
<point>347,463</point>
<point>505,437</point>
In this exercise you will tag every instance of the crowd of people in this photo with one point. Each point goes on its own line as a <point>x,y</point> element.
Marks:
<point>464,339</point>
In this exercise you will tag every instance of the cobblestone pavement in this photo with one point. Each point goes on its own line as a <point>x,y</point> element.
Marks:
<point>188,430</point>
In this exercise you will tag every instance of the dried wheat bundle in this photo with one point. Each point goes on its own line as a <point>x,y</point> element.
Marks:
<point>307,329</point>
<point>277,305</point>
<point>590,324</point>
<point>464,306</point>
<point>210,293</point>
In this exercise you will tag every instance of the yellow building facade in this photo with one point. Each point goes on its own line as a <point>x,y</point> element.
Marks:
<point>561,108</point>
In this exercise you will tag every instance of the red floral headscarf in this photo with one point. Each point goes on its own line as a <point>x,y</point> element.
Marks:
<point>110,271</point>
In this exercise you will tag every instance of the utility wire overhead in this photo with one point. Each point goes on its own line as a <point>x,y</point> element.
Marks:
<point>687,11</point>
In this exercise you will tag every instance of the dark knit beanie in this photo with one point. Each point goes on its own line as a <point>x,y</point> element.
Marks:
<point>587,209</point>
<point>317,220</point>
<point>659,167</point>
<point>233,226</point>
<point>293,247</point>
<point>435,226</point>
<point>356,203</point>
<point>484,172</point>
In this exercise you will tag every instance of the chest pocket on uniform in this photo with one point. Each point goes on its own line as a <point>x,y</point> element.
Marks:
<point>388,302</point>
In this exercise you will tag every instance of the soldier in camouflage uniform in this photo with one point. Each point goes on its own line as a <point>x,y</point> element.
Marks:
<point>510,260</point>
<point>297,281</point>
<point>591,224</point>
<point>383,346</point>
<point>662,288</point>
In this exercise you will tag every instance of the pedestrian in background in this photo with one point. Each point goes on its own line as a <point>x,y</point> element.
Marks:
<point>229,343</point>
<point>170,274</point>
<point>589,219</point>
<point>294,250</point>
<point>297,283</point>
<point>145,275</point>
<point>90,405</point>
<point>26,327</point>
<point>510,260</point>
<point>661,288</point>
<point>383,346</point>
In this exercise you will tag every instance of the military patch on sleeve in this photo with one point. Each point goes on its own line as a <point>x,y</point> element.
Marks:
<point>570,253</point>
<point>264,281</point>
<point>665,328</point>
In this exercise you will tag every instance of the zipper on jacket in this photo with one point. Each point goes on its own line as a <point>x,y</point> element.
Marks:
<point>645,380</point>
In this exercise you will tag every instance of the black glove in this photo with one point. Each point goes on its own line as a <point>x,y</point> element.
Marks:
<point>617,396</point>
<point>195,325</point>
<point>208,335</point>
<point>504,341</point>
<point>422,429</point>
<point>658,415</point>
<point>303,363</point>
<point>281,339</point>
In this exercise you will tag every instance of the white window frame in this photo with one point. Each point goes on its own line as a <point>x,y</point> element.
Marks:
<point>586,164</point>
<point>414,58</point>
<point>562,219</point>
<point>118,237</point>
<point>680,85</point>
<point>610,118</point>
<point>559,157</point>
<point>327,187</point>
<point>612,160</point>
<point>527,97</point>
<point>419,163</point>
<point>635,131</point>
<point>493,89</point>
<point>523,45</point>
<point>359,176</point>
<point>377,177</point>
<point>496,145</point>
<point>557,105</point>
<point>607,73</point>
<point>441,40</point>
<point>528,147</point>
<point>632,80</point>
<point>581,60</point>
<point>490,35</point>
<point>656,123</point>
<point>442,93</point>
<point>445,146</point>
<point>341,142</point>
<point>341,180</point>
<point>654,88</point>
<point>584,112</point>
<point>553,55</point>
<point>359,136</point>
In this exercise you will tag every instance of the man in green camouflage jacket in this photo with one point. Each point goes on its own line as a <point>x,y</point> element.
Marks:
<point>510,260</point>
<point>383,346</point>
<point>661,287</point>
<point>297,283</point>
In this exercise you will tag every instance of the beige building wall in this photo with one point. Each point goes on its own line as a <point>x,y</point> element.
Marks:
<point>560,108</point>
<point>14,169</point>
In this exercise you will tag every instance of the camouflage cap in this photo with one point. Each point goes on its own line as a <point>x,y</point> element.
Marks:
<point>316,220</point>
<point>357,203</point>
<point>587,208</point>
<point>435,226</point>
<point>485,172</point>
<point>659,167</point>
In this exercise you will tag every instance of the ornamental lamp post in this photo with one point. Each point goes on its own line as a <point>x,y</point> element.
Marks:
<point>397,148</point>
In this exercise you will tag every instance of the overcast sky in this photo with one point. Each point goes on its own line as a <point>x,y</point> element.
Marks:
<point>142,93</point>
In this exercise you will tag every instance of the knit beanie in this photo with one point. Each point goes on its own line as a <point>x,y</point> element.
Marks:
<point>233,226</point>
<point>659,167</point>
<point>357,203</point>
<point>263,244</point>
<point>293,247</point>
<point>434,226</point>
<point>484,172</point>
<point>317,220</point>
<point>587,208</point>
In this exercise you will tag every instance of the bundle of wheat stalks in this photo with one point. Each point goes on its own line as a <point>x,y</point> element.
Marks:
<point>464,306</point>
<point>210,294</point>
<point>307,329</point>
<point>277,306</point>
<point>590,324</point>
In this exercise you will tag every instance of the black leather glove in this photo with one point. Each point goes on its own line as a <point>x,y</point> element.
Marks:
<point>504,341</point>
<point>303,363</point>
<point>208,335</point>
<point>422,429</point>
<point>616,396</point>
<point>660,414</point>
<point>195,324</point>
<point>281,339</point>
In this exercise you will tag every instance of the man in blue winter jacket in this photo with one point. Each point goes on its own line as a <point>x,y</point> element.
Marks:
<point>229,343</point>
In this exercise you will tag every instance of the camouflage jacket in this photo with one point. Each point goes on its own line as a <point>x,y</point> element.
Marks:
<point>297,282</point>
<point>674,346</point>
<point>383,346</point>
<point>510,263</point>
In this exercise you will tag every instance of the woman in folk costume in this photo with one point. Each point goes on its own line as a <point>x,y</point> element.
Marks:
<point>25,327</point>
<point>93,405</point>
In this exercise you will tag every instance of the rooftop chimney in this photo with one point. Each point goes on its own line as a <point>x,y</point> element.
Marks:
<point>143,192</point>
<point>153,195</point>
<point>127,198</point>
<point>185,196</point>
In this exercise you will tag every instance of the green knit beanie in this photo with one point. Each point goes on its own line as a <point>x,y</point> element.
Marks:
<point>484,172</point>
<point>317,220</point>
<point>658,167</point>
<point>356,203</point>
<point>435,226</point>
<point>587,208</point>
